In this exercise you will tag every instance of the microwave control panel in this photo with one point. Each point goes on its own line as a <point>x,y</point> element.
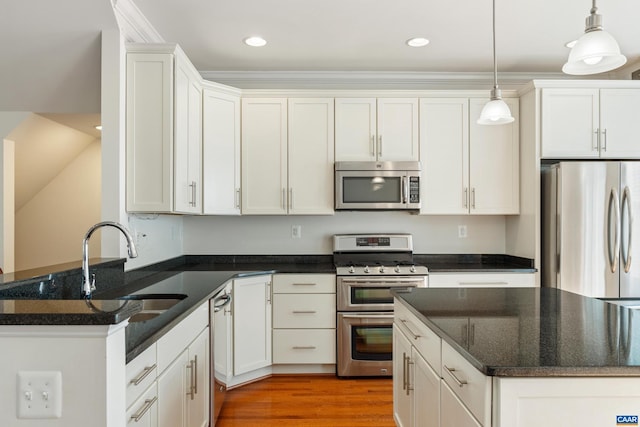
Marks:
<point>414,189</point>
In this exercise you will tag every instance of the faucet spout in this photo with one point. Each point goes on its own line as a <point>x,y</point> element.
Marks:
<point>88,283</point>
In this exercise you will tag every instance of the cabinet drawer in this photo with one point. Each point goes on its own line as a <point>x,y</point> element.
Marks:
<point>304,346</point>
<point>304,311</point>
<point>422,338</point>
<point>304,284</point>
<point>144,411</point>
<point>140,373</point>
<point>470,385</point>
<point>178,338</point>
<point>481,280</point>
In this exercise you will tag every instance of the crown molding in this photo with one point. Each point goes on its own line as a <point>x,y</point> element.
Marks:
<point>134,26</point>
<point>372,79</point>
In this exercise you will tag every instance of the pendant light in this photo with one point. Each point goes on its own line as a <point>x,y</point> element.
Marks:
<point>596,51</point>
<point>496,111</point>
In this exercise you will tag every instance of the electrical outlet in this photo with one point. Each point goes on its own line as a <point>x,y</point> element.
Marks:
<point>39,394</point>
<point>462,231</point>
<point>296,231</point>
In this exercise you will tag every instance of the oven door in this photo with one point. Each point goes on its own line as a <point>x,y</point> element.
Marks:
<point>373,293</point>
<point>365,344</point>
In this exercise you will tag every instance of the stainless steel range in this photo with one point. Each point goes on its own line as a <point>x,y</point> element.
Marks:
<point>368,267</point>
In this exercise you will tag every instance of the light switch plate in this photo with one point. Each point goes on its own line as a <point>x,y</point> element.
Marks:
<point>39,394</point>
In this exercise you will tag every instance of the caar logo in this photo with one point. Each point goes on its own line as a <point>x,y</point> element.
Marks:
<point>627,420</point>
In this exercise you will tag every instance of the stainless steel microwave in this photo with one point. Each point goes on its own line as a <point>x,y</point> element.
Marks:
<point>377,185</point>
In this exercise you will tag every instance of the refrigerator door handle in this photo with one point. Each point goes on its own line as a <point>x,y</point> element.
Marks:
<point>626,253</point>
<point>614,254</point>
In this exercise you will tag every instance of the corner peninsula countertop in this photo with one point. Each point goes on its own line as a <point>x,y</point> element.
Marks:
<point>532,332</point>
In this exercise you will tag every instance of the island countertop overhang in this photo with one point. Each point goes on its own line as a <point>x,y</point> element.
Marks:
<point>531,332</point>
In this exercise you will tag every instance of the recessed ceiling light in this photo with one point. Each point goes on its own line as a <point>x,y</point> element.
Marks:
<point>417,42</point>
<point>99,127</point>
<point>571,44</point>
<point>255,41</point>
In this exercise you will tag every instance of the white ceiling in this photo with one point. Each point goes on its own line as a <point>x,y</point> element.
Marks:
<point>369,35</point>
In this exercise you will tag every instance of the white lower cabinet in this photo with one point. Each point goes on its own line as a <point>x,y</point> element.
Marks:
<point>432,384</point>
<point>481,280</point>
<point>453,412</point>
<point>304,319</point>
<point>144,411</point>
<point>251,324</point>
<point>416,378</point>
<point>183,388</point>
<point>175,371</point>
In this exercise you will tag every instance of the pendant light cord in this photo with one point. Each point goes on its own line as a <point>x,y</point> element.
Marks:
<point>495,61</point>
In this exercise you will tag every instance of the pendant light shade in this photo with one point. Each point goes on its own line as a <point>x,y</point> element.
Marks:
<point>496,111</point>
<point>596,51</point>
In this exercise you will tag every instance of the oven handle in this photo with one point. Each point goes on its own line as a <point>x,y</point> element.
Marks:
<point>368,315</point>
<point>384,282</point>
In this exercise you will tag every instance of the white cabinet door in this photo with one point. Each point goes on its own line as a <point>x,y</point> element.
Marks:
<point>494,163</point>
<point>172,384</point>
<point>370,129</point>
<point>569,123</point>
<point>251,324</point>
<point>401,378</point>
<point>453,413</point>
<point>398,129</point>
<point>444,154</point>
<point>187,139</point>
<point>220,153</point>
<point>355,129</point>
<point>197,393</point>
<point>310,156</point>
<point>619,123</point>
<point>223,353</point>
<point>264,156</point>
<point>149,132</point>
<point>426,393</point>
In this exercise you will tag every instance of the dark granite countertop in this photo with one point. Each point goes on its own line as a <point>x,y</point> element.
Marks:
<point>66,312</point>
<point>197,277</point>
<point>532,332</point>
<point>475,263</point>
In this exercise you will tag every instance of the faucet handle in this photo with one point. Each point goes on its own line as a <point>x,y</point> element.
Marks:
<point>93,282</point>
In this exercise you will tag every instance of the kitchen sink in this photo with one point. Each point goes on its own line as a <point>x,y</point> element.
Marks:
<point>153,305</point>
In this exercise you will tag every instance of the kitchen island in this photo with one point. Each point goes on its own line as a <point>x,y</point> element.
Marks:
<point>514,357</point>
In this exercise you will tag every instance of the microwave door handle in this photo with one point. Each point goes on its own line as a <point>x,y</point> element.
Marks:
<point>403,189</point>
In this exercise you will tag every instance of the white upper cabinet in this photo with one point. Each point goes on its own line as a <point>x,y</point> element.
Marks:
<point>589,123</point>
<point>287,156</point>
<point>264,156</point>
<point>494,162</point>
<point>444,154</point>
<point>311,152</point>
<point>467,168</point>
<point>619,123</point>
<point>188,139</point>
<point>220,152</point>
<point>163,131</point>
<point>382,129</point>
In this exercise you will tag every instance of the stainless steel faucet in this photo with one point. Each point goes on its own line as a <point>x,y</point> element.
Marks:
<point>89,283</point>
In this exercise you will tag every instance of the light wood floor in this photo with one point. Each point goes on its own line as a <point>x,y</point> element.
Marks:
<point>303,401</point>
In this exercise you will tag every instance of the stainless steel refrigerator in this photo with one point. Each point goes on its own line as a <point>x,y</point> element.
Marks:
<point>590,243</point>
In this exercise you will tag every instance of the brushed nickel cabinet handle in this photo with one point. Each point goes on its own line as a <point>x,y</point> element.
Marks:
<point>456,379</point>
<point>304,347</point>
<point>144,374</point>
<point>148,403</point>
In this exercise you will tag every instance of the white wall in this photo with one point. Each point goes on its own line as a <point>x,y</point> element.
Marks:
<point>49,227</point>
<point>272,234</point>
